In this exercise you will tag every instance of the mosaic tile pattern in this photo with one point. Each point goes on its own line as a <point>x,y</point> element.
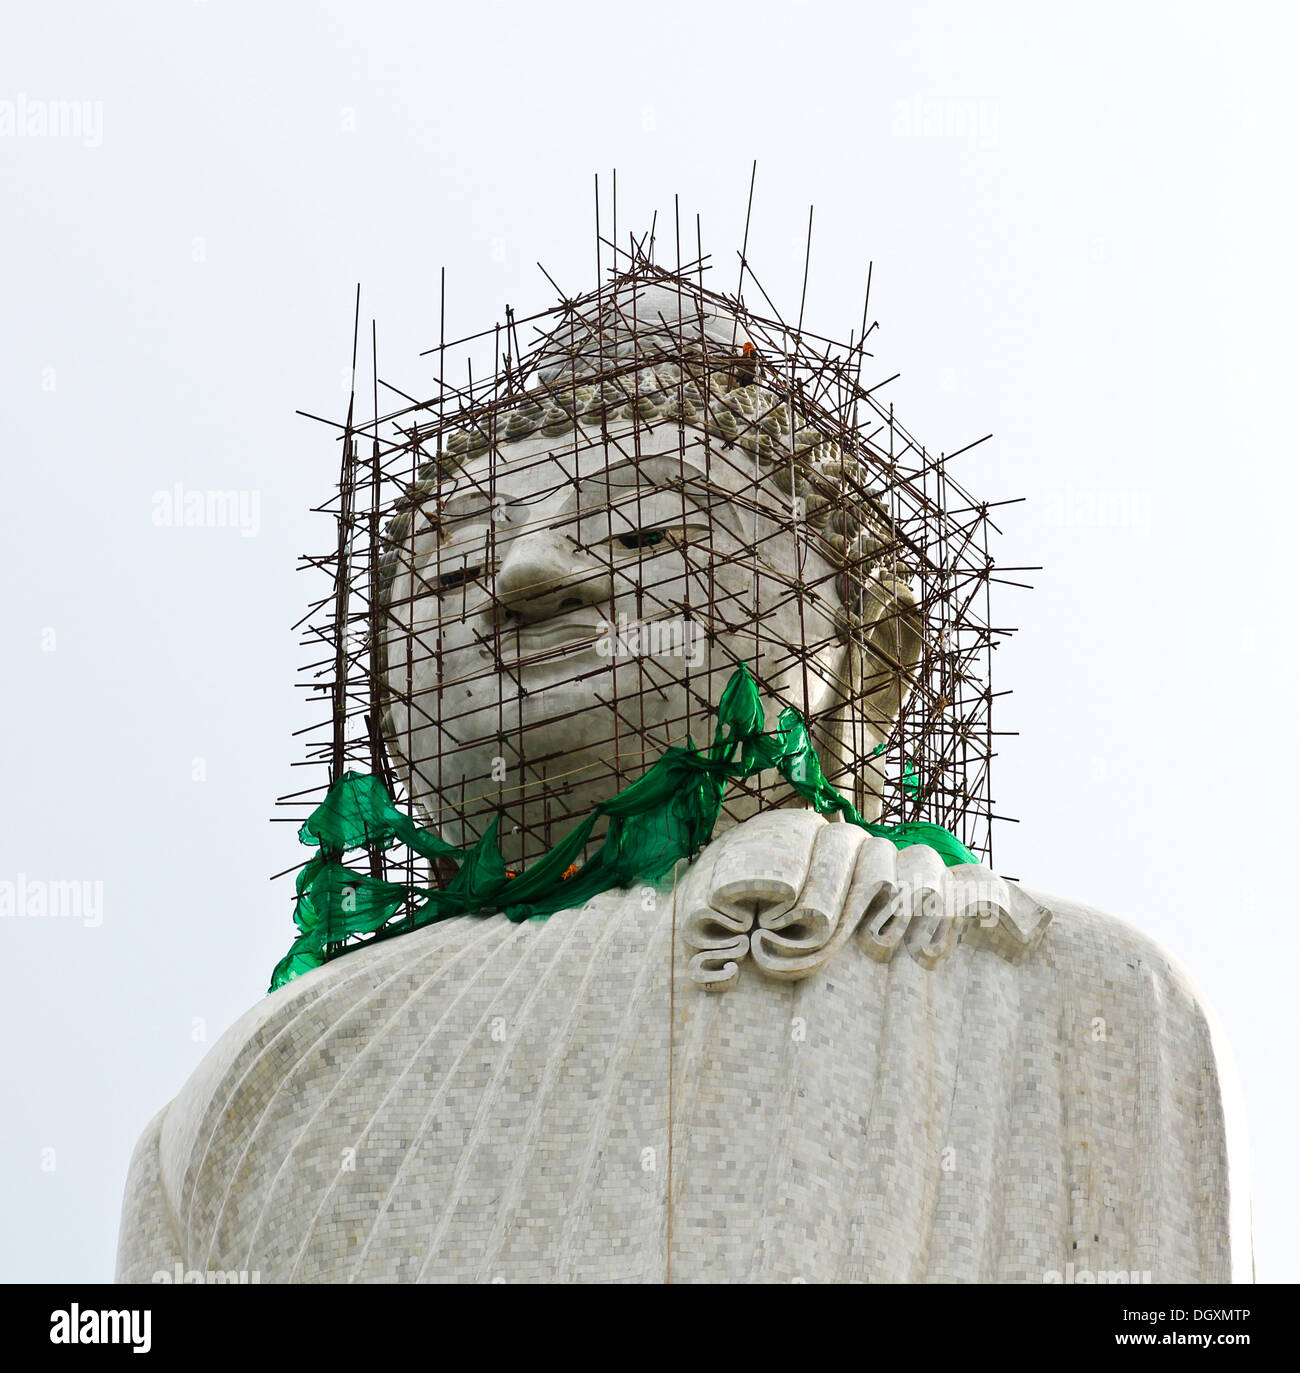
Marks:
<point>483,1101</point>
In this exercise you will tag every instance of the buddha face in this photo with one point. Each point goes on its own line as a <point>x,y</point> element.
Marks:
<point>574,599</point>
<point>570,611</point>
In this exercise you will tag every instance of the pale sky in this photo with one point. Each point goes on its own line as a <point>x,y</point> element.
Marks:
<point>1082,220</point>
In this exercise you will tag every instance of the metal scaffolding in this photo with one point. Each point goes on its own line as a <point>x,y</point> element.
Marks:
<point>541,573</point>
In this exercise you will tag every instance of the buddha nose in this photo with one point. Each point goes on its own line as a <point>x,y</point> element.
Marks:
<point>544,574</point>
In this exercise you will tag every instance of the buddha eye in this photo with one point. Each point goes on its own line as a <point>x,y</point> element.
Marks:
<point>642,538</point>
<point>462,576</point>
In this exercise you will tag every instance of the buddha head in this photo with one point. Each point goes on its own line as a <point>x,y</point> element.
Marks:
<point>584,563</point>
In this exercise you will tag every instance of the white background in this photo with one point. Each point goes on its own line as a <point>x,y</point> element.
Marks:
<point>1084,236</point>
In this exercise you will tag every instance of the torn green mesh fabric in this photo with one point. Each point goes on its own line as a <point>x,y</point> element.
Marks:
<point>666,815</point>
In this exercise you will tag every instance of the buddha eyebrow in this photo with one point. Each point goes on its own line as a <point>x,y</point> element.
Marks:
<point>466,504</point>
<point>611,491</point>
<point>498,496</point>
<point>471,504</point>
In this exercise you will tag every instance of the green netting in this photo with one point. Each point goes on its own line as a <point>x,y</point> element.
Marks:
<point>666,815</point>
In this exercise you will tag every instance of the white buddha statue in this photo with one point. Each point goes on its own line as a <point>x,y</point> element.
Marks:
<point>807,1055</point>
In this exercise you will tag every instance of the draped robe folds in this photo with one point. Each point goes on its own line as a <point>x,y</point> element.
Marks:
<point>558,1101</point>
